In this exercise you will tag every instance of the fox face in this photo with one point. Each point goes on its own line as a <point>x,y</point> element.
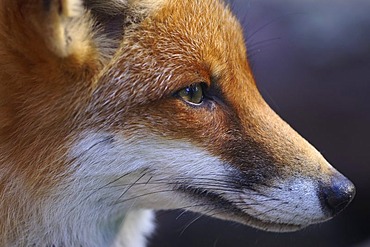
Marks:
<point>111,107</point>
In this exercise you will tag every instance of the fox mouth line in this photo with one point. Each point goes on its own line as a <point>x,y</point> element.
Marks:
<point>227,209</point>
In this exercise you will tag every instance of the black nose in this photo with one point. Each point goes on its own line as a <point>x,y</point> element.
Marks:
<point>336,195</point>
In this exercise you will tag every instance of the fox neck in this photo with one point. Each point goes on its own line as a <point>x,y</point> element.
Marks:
<point>56,222</point>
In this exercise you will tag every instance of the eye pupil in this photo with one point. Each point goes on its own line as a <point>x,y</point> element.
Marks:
<point>192,94</point>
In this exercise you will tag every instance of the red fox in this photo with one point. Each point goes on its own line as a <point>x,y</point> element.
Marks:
<point>112,109</point>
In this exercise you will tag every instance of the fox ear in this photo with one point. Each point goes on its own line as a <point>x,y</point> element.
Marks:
<point>77,28</point>
<point>65,27</point>
<point>113,17</point>
<point>46,30</point>
<point>75,33</point>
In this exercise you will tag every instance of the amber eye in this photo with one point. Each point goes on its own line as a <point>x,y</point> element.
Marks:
<point>192,94</point>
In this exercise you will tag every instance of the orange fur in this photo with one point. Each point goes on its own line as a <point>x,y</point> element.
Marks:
<point>62,72</point>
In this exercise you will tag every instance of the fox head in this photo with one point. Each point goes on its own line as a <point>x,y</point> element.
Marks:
<point>112,105</point>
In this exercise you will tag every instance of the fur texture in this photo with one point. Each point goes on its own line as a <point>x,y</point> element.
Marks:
<point>94,132</point>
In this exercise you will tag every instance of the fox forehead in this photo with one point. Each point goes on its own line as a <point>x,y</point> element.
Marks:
<point>184,42</point>
<point>205,31</point>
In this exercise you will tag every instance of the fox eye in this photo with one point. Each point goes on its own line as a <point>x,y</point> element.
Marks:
<point>192,94</point>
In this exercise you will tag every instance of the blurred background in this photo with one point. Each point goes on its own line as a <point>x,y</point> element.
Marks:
<point>311,60</point>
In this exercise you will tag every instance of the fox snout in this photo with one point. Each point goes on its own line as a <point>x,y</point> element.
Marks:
<point>290,170</point>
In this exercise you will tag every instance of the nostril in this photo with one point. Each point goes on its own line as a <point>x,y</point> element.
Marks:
<point>337,195</point>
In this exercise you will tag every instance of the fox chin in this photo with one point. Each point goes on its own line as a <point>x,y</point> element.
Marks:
<point>112,109</point>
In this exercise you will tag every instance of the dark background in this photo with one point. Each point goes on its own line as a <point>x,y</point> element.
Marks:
<point>311,60</point>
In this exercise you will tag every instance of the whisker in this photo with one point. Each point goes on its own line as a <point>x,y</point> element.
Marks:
<point>194,220</point>
<point>106,185</point>
<point>142,195</point>
<point>251,35</point>
<point>192,206</point>
<point>132,185</point>
<point>251,47</point>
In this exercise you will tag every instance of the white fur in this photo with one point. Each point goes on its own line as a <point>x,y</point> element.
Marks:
<point>292,201</point>
<point>89,211</point>
<point>137,225</point>
<point>116,179</point>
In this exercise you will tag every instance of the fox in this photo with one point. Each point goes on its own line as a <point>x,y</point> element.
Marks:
<point>111,110</point>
